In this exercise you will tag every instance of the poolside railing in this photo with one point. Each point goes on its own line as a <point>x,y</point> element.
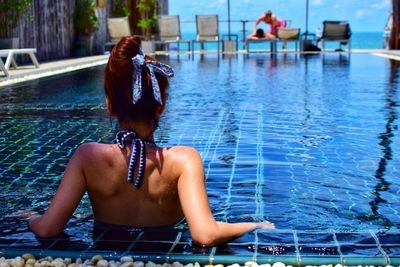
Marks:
<point>240,30</point>
<point>243,23</point>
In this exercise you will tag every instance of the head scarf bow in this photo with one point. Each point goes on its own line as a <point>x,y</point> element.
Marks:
<point>153,66</point>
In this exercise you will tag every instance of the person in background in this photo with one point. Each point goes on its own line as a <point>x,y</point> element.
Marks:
<point>268,18</point>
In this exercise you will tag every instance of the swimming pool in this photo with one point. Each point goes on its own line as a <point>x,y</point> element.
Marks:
<point>310,143</point>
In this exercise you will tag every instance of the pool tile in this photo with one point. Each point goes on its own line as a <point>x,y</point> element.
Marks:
<point>283,250</point>
<point>118,235</point>
<point>168,235</point>
<point>312,238</point>
<point>355,238</point>
<point>180,248</point>
<point>69,245</point>
<point>272,237</point>
<point>151,247</point>
<point>246,238</point>
<point>242,250</point>
<point>389,238</point>
<point>198,250</point>
<point>322,250</point>
<point>5,243</point>
<point>111,245</point>
<point>354,250</point>
<point>30,244</point>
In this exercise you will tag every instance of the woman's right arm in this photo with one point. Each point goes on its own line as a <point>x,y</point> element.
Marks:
<point>66,199</point>
<point>204,229</point>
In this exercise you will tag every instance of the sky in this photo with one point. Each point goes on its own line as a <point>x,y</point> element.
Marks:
<point>363,15</point>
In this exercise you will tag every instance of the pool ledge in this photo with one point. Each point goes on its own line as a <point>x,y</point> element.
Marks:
<point>28,73</point>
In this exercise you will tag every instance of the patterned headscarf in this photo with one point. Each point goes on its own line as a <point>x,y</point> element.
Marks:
<point>139,63</point>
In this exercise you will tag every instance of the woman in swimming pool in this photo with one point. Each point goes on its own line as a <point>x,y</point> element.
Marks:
<point>135,182</point>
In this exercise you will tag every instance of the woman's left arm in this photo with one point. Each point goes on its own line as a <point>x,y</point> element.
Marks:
<point>67,198</point>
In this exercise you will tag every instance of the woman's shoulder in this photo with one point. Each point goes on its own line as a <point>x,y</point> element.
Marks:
<point>91,147</point>
<point>182,156</point>
<point>180,159</point>
<point>183,152</point>
<point>94,150</point>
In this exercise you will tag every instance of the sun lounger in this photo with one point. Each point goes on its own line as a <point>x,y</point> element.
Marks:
<point>170,31</point>
<point>336,31</point>
<point>10,53</point>
<point>117,28</point>
<point>3,68</point>
<point>207,30</point>
<point>272,42</point>
<point>287,35</point>
<point>284,35</point>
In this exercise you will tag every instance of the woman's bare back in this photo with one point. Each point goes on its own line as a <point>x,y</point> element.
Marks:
<point>117,201</point>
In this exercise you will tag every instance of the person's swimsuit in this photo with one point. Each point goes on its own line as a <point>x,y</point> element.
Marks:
<point>274,28</point>
<point>108,231</point>
<point>138,152</point>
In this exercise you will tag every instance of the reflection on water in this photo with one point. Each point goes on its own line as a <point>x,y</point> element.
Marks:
<point>386,143</point>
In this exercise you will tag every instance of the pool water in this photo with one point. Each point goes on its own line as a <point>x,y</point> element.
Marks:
<point>310,143</point>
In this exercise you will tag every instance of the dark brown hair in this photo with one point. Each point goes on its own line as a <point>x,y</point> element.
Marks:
<point>118,79</point>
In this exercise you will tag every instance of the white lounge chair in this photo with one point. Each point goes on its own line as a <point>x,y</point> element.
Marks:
<point>336,31</point>
<point>117,28</point>
<point>170,31</point>
<point>10,53</point>
<point>207,30</point>
<point>286,35</point>
<point>272,42</point>
<point>3,68</point>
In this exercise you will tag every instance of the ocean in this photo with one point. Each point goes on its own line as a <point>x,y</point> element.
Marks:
<point>359,40</point>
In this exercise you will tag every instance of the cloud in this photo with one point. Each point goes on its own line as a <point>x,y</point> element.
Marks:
<point>217,4</point>
<point>381,5</point>
<point>362,13</point>
<point>317,2</point>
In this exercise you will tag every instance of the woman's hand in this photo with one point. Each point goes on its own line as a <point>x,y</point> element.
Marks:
<point>265,225</point>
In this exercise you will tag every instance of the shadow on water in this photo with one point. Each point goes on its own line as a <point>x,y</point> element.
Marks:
<point>385,141</point>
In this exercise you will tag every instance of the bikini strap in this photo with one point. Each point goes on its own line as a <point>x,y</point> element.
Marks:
<point>138,151</point>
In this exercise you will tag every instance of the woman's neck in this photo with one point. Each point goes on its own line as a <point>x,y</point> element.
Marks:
<point>142,129</point>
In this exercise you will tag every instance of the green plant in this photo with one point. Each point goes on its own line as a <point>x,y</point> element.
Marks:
<point>148,11</point>
<point>120,9</point>
<point>10,14</point>
<point>85,19</point>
